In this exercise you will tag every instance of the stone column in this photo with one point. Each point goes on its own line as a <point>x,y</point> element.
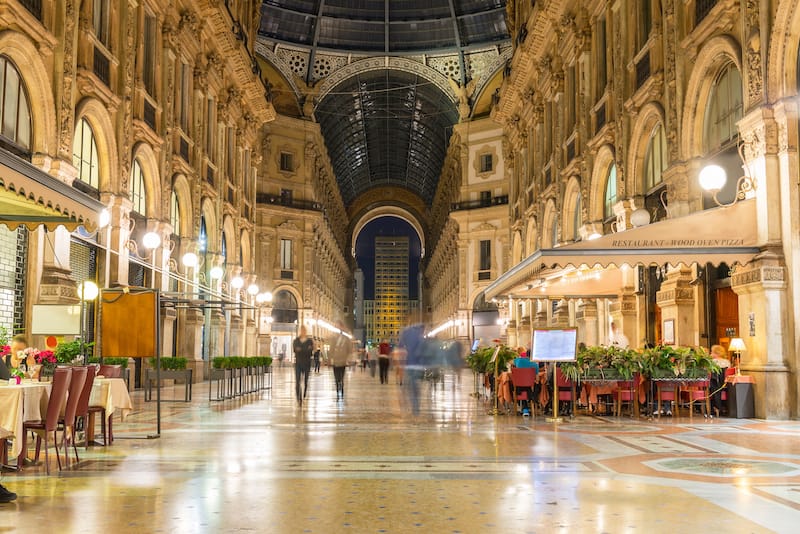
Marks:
<point>561,315</point>
<point>116,238</point>
<point>190,341</point>
<point>761,287</point>
<point>676,300</point>
<point>236,335</point>
<point>540,318</point>
<point>57,285</point>
<point>216,334</point>
<point>586,318</point>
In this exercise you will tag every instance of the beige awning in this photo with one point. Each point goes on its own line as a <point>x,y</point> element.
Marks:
<point>721,235</point>
<point>30,197</point>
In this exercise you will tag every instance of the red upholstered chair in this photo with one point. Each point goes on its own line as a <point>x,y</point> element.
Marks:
<point>58,396</point>
<point>666,392</point>
<point>624,392</point>
<point>68,421</point>
<point>110,371</point>
<point>82,411</point>
<point>697,392</point>
<point>729,371</point>
<point>523,379</point>
<point>566,391</point>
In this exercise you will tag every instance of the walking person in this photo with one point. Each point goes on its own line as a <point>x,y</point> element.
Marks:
<point>317,357</point>
<point>411,338</point>
<point>303,346</point>
<point>384,349</point>
<point>340,351</point>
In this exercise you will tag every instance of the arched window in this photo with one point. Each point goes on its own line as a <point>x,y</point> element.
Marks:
<point>724,108</point>
<point>655,159</point>
<point>224,250</point>
<point>15,113</point>
<point>576,218</point>
<point>174,214</point>
<point>554,232</point>
<point>84,155</point>
<point>610,197</point>
<point>136,189</point>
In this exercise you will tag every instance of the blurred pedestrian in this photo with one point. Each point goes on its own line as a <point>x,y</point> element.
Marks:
<point>412,340</point>
<point>303,346</point>
<point>317,357</point>
<point>384,349</point>
<point>340,352</point>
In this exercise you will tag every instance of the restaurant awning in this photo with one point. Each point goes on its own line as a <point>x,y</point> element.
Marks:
<point>30,197</point>
<point>720,235</point>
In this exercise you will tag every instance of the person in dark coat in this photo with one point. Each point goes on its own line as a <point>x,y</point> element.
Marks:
<point>303,347</point>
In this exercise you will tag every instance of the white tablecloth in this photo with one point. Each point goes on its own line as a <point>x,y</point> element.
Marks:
<point>25,402</point>
<point>111,394</point>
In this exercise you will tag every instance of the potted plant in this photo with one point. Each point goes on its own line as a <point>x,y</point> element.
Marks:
<point>68,352</point>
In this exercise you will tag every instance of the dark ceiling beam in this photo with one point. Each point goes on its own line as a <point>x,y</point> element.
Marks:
<point>457,36</point>
<point>314,42</point>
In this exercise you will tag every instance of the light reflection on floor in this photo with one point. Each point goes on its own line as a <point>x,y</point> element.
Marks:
<point>261,463</point>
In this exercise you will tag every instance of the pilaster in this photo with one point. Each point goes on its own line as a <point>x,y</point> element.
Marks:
<point>676,300</point>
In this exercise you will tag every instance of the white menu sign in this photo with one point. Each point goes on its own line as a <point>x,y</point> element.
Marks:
<point>554,344</point>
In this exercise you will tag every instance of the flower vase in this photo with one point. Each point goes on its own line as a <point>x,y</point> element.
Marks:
<point>18,379</point>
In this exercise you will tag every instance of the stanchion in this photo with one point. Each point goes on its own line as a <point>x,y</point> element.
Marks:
<point>496,409</point>
<point>555,418</point>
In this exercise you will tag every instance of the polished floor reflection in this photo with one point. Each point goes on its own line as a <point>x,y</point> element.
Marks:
<point>260,463</point>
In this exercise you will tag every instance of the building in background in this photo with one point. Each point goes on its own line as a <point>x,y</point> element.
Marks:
<point>391,287</point>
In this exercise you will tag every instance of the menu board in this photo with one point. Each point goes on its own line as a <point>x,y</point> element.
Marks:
<point>554,344</point>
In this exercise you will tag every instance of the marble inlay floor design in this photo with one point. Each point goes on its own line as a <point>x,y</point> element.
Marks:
<point>260,463</point>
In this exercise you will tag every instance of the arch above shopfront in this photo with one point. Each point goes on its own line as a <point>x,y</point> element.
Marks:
<point>388,211</point>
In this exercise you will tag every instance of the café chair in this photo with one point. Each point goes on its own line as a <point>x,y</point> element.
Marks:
<point>624,392</point>
<point>58,396</point>
<point>523,380</point>
<point>666,392</point>
<point>82,411</point>
<point>566,394</point>
<point>697,392</point>
<point>110,371</point>
<point>67,423</point>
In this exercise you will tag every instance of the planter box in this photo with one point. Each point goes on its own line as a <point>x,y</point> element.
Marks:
<point>601,375</point>
<point>669,374</point>
<point>184,375</point>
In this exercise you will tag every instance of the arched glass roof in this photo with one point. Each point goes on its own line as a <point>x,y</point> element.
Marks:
<point>386,127</point>
<point>385,26</point>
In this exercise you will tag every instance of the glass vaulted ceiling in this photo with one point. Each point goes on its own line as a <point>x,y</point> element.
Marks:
<point>385,127</point>
<point>385,26</point>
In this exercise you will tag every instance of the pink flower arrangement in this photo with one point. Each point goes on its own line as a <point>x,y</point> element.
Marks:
<point>44,357</point>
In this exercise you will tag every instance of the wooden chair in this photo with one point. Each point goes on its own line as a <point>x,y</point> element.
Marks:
<point>565,389</point>
<point>58,396</point>
<point>697,392</point>
<point>110,371</point>
<point>624,392</point>
<point>666,391</point>
<point>67,423</point>
<point>523,380</point>
<point>82,411</point>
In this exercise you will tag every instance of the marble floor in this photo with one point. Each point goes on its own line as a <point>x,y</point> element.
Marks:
<point>260,463</point>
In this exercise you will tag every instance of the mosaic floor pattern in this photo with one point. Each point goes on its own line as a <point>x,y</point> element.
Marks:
<point>260,463</point>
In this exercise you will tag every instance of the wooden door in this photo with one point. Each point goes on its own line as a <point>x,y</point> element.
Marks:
<point>726,306</point>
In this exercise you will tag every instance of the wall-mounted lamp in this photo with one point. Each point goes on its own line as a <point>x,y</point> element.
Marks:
<point>712,178</point>
<point>252,290</point>
<point>216,272</point>
<point>190,259</point>
<point>237,282</point>
<point>87,291</point>
<point>737,346</point>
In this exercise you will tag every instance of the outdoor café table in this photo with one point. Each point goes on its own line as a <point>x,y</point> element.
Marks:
<point>20,403</point>
<point>599,386</point>
<point>111,394</point>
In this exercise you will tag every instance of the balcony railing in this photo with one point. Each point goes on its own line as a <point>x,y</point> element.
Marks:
<point>34,6</point>
<point>277,200</point>
<point>101,66</point>
<point>149,115</point>
<point>701,9</point>
<point>642,70</point>
<point>480,203</point>
<point>183,149</point>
